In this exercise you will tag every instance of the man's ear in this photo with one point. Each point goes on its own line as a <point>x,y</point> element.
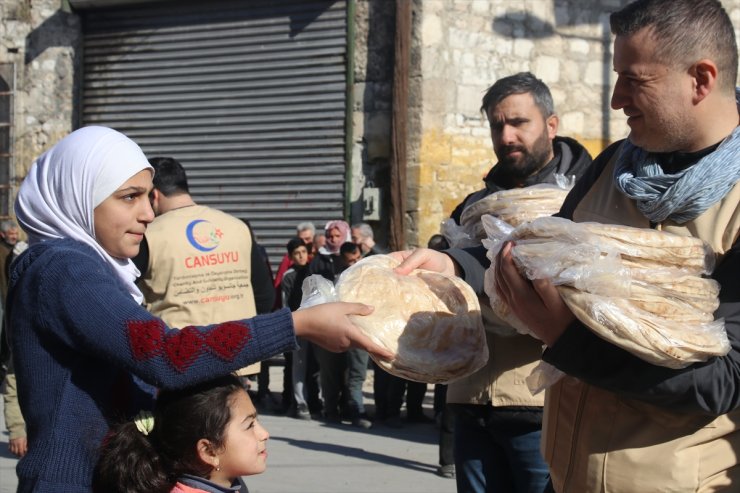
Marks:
<point>154,197</point>
<point>704,77</point>
<point>207,453</point>
<point>552,123</point>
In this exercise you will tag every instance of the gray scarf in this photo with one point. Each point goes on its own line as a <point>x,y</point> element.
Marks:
<point>683,196</point>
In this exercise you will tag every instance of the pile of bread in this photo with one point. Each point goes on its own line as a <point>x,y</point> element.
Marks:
<point>639,289</point>
<point>514,206</point>
<point>431,321</point>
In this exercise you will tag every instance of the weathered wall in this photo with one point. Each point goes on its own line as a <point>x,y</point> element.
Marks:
<point>466,45</point>
<point>372,106</point>
<point>459,48</point>
<point>41,41</point>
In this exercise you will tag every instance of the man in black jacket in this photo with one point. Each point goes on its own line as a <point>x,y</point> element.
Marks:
<point>497,424</point>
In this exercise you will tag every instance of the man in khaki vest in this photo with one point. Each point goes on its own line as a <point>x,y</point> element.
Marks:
<point>497,419</point>
<point>616,423</point>
<point>199,265</point>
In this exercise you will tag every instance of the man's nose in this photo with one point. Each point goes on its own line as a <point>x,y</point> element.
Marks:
<point>620,96</point>
<point>508,135</point>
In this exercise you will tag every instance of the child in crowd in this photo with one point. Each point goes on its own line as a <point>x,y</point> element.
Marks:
<point>200,439</point>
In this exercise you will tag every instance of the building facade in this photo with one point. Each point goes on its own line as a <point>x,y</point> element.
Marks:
<point>282,111</point>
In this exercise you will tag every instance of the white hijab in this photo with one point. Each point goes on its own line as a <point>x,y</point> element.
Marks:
<point>67,183</point>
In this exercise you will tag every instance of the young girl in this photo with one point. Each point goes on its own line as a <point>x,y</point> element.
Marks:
<point>199,439</point>
<point>84,349</point>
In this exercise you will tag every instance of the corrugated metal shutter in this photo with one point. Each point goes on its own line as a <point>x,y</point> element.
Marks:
<point>249,95</point>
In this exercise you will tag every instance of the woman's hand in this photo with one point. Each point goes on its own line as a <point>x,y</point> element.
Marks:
<point>424,258</point>
<point>328,325</point>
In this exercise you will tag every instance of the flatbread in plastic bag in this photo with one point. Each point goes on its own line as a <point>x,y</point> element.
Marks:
<point>431,321</point>
<point>640,289</point>
<point>514,206</point>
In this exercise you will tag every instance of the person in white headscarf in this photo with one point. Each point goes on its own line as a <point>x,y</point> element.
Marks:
<point>86,352</point>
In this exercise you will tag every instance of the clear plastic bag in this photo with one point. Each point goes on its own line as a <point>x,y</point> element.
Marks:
<point>317,290</point>
<point>514,206</point>
<point>430,321</point>
<point>519,205</point>
<point>641,290</point>
<point>458,236</point>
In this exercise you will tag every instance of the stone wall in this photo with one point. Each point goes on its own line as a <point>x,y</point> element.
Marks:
<point>459,48</point>
<point>466,45</point>
<point>372,106</point>
<point>42,41</point>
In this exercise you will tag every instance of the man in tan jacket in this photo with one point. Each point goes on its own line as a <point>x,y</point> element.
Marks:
<point>198,265</point>
<point>616,423</point>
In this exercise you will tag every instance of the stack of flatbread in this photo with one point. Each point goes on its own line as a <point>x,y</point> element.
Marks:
<point>515,206</point>
<point>639,289</point>
<point>432,322</point>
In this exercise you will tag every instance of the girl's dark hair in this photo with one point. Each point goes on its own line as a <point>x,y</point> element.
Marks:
<point>131,462</point>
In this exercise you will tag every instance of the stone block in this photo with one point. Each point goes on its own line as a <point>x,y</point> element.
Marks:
<point>571,123</point>
<point>431,31</point>
<point>594,73</point>
<point>523,48</point>
<point>547,68</point>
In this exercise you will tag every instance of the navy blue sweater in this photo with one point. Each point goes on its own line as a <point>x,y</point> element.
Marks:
<point>83,348</point>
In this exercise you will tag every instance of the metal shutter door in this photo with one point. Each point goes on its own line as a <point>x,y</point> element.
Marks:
<point>249,96</point>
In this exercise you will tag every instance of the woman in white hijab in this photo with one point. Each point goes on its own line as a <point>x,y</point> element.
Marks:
<point>83,346</point>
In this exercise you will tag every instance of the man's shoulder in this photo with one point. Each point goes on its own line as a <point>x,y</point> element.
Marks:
<point>194,213</point>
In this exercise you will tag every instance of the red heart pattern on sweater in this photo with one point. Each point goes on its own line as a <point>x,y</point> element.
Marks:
<point>183,347</point>
<point>145,337</point>
<point>227,340</point>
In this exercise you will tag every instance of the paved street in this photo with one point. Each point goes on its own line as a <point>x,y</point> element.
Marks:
<point>313,457</point>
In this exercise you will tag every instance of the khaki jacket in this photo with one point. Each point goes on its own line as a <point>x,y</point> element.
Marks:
<point>596,441</point>
<point>13,418</point>
<point>199,269</point>
<point>501,382</point>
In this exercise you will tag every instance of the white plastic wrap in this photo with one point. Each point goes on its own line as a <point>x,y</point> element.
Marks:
<point>640,289</point>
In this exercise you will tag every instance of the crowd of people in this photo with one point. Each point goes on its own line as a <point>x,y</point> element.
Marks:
<point>134,309</point>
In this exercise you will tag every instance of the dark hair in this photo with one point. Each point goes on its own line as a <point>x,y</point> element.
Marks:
<point>294,243</point>
<point>685,31</point>
<point>438,242</point>
<point>131,462</point>
<point>169,176</point>
<point>521,83</point>
<point>348,247</point>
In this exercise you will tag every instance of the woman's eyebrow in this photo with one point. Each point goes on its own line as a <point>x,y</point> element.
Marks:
<point>132,188</point>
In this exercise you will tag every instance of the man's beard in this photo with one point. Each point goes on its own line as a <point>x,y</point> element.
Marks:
<point>529,162</point>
